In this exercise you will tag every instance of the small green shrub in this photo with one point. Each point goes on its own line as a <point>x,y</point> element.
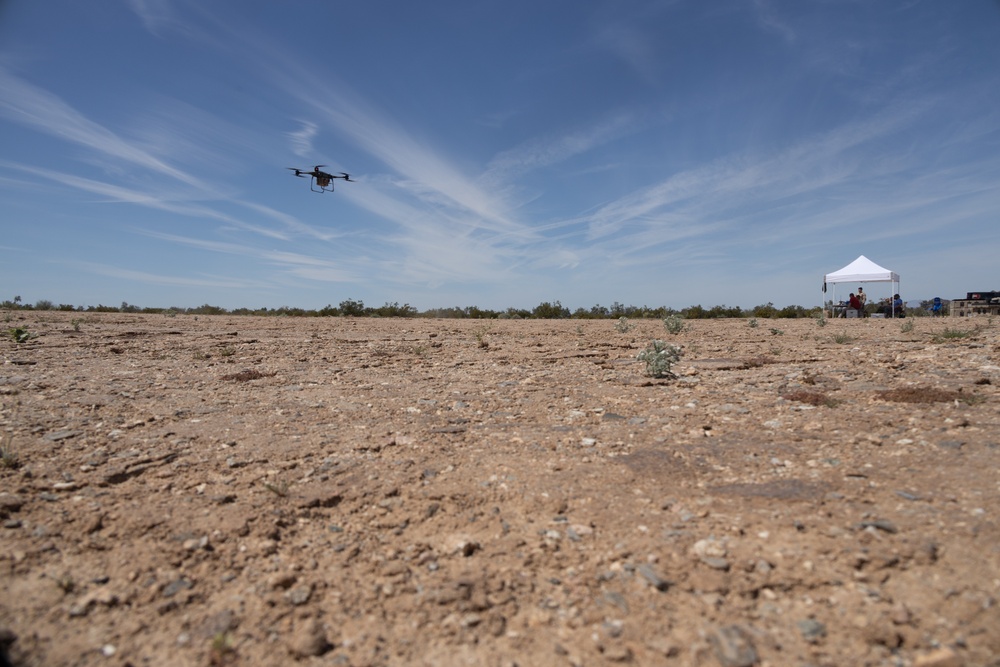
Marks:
<point>222,651</point>
<point>623,325</point>
<point>907,326</point>
<point>279,488</point>
<point>955,334</point>
<point>480,334</point>
<point>8,455</point>
<point>659,357</point>
<point>752,323</point>
<point>20,334</point>
<point>673,324</point>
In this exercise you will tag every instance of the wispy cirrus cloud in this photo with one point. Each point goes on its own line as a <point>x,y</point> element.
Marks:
<point>291,222</point>
<point>34,107</point>
<point>161,17</point>
<point>424,195</point>
<point>159,200</point>
<point>771,21</point>
<point>294,263</point>
<point>544,152</point>
<point>632,46</point>
<point>168,280</point>
<point>302,138</point>
<point>422,172</point>
<point>821,183</point>
<point>155,14</point>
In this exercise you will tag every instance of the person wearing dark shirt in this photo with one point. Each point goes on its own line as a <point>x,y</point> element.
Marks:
<point>862,299</point>
<point>897,306</point>
<point>853,302</point>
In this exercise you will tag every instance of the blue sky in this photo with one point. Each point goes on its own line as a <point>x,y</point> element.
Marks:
<point>506,153</point>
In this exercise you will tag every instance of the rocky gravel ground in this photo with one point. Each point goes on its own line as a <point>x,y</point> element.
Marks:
<point>221,490</point>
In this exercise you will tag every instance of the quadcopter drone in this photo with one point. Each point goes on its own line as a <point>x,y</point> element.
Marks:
<point>320,178</point>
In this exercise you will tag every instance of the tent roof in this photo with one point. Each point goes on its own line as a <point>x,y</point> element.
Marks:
<point>862,270</point>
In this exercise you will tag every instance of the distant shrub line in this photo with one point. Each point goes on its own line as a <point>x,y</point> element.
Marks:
<point>544,311</point>
<point>351,308</point>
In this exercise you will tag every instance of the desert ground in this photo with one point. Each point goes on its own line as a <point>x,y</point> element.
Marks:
<point>220,490</point>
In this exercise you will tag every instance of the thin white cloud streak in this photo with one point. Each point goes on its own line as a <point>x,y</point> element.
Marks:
<point>703,195</point>
<point>119,194</point>
<point>539,153</point>
<point>428,190</point>
<point>459,249</point>
<point>295,263</point>
<point>167,281</point>
<point>291,222</point>
<point>302,138</point>
<point>769,20</point>
<point>154,14</point>
<point>632,47</point>
<point>467,262</point>
<point>426,175</point>
<point>796,198</point>
<point>431,198</point>
<point>187,135</point>
<point>30,106</point>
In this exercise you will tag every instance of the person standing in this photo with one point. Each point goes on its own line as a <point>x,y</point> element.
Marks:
<point>863,298</point>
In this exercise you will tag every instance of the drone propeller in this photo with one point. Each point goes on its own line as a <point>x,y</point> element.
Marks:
<point>347,177</point>
<point>298,172</point>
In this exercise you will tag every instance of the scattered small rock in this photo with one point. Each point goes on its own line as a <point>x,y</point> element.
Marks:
<point>64,434</point>
<point>281,581</point>
<point>941,657</point>
<point>175,587</point>
<point>900,614</point>
<point>712,552</point>
<point>308,639</point>
<point>652,576</point>
<point>9,503</point>
<point>950,444</point>
<point>881,524</point>
<point>196,543</point>
<point>716,563</point>
<point>732,646</point>
<point>299,595</point>
<point>812,630</point>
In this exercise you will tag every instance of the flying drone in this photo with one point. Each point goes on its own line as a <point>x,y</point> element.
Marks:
<point>320,178</point>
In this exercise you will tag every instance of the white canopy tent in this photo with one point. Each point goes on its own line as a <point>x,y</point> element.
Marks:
<point>863,270</point>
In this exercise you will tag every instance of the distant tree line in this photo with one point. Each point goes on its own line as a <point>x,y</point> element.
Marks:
<point>544,311</point>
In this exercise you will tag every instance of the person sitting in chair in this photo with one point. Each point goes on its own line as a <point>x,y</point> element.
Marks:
<point>897,306</point>
<point>893,308</point>
<point>855,303</point>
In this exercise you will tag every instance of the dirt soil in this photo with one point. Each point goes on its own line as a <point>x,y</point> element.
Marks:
<point>219,490</point>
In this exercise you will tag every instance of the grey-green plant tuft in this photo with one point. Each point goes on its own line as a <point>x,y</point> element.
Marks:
<point>659,357</point>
